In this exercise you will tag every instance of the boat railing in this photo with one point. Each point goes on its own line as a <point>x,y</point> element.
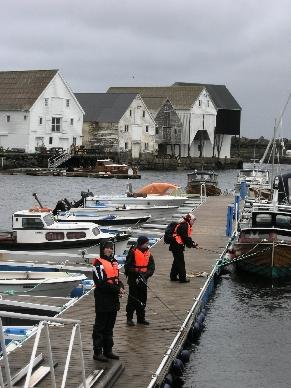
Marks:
<point>43,329</point>
<point>203,195</point>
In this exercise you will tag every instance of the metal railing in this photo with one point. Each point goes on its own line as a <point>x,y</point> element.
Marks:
<point>57,160</point>
<point>44,323</point>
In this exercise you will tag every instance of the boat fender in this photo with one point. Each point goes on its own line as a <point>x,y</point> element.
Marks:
<point>184,356</point>
<point>203,311</point>
<point>194,332</point>
<point>177,367</point>
<point>200,318</point>
<point>77,292</point>
<point>169,379</point>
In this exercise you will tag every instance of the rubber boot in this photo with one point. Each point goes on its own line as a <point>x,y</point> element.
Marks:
<point>98,356</point>
<point>108,353</point>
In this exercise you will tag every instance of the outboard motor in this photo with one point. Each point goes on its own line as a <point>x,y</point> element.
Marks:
<point>85,194</point>
<point>61,206</point>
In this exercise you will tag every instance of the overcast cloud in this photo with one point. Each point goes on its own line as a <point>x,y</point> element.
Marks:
<point>245,45</point>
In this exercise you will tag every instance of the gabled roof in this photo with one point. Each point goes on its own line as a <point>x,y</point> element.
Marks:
<point>154,104</point>
<point>20,89</point>
<point>180,97</point>
<point>104,107</point>
<point>220,95</point>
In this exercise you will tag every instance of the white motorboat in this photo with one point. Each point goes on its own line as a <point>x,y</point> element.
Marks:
<point>37,229</point>
<point>130,210</point>
<point>104,220</point>
<point>154,194</point>
<point>39,283</point>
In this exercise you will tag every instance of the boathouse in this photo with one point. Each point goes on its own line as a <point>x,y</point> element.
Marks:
<point>38,109</point>
<point>168,125</point>
<point>209,114</point>
<point>118,123</point>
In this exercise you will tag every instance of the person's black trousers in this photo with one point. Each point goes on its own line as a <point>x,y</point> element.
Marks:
<point>103,330</point>
<point>137,294</point>
<point>178,267</point>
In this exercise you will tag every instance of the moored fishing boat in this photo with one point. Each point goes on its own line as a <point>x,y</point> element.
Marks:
<point>199,179</point>
<point>262,244</point>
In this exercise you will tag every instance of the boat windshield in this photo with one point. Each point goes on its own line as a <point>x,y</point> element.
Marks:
<point>49,219</point>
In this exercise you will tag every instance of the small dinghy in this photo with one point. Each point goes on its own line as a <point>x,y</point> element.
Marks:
<point>39,283</point>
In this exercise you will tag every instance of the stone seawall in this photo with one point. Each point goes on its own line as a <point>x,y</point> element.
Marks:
<point>23,160</point>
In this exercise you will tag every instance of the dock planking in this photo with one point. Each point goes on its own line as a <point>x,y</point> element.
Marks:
<point>141,349</point>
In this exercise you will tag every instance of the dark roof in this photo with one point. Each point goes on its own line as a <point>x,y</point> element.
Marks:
<point>220,95</point>
<point>154,104</point>
<point>180,97</point>
<point>20,89</point>
<point>104,107</point>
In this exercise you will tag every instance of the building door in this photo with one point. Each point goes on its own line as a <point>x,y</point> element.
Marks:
<point>135,150</point>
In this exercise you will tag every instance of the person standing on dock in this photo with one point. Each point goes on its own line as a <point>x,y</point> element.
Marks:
<point>138,267</point>
<point>181,238</point>
<point>108,290</point>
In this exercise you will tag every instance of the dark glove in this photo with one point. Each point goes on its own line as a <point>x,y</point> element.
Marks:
<point>195,245</point>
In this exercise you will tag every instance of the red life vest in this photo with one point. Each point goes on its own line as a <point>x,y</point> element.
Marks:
<point>111,270</point>
<point>141,260</point>
<point>178,238</point>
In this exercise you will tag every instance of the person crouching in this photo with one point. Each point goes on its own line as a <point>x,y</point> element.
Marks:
<point>108,290</point>
<point>139,266</point>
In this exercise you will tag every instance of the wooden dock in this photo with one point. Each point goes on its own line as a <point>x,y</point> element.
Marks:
<point>141,349</point>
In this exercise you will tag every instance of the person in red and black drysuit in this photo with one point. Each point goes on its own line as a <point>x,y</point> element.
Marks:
<point>108,290</point>
<point>138,267</point>
<point>181,238</point>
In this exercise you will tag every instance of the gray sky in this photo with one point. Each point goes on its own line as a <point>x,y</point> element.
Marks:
<point>244,44</point>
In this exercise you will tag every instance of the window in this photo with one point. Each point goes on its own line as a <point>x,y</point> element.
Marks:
<point>25,117</point>
<point>143,113</point>
<point>32,223</point>
<point>72,121</point>
<point>50,140</point>
<point>146,146</point>
<point>49,219</point>
<point>263,219</point>
<point>126,146</point>
<point>40,121</point>
<point>208,103</point>
<point>147,128</point>
<point>46,102</point>
<point>51,236</point>
<point>126,128</point>
<point>67,103</point>
<point>283,221</point>
<point>130,112</point>
<point>8,119</point>
<point>56,124</point>
<point>75,235</point>
<point>157,131</point>
<point>199,102</point>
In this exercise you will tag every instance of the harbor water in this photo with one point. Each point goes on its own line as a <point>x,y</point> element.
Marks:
<point>246,342</point>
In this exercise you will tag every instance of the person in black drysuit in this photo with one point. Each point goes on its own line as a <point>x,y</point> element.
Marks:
<point>182,237</point>
<point>139,266</point>
<point>108,290</point>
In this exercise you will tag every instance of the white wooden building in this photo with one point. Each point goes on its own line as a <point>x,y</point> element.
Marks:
<point>117,123</point>
<point>209,114</point>
<point>38,109</point>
